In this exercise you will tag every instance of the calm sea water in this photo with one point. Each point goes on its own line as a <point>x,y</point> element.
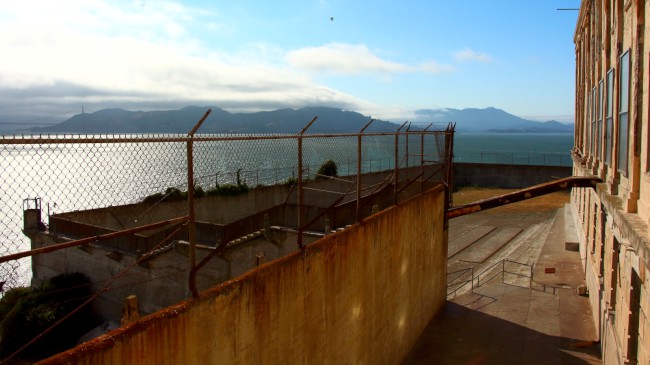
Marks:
<point>514,148</point>
<point>84,176</point>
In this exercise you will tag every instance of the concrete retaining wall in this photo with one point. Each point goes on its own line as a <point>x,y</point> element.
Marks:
<point>506,176</point>
<point>360,296</point>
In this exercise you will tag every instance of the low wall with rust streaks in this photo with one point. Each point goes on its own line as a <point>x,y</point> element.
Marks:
<point>360,296</point>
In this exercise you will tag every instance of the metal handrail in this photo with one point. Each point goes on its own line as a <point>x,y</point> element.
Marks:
<point>504,271</point>
<point>459,284</point>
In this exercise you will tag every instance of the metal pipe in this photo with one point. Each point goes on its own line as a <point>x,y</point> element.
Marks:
<point>531,192</point>
<point>88,240</point>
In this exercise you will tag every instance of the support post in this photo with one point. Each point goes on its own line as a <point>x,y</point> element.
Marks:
<point>190,203</point>
<point>396,184</point>
<point>300,190</point>
<point>449,144</point>
<point>422,157</point>
<point>359,169</point>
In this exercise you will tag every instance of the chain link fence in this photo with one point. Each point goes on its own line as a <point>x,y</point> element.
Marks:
<point>70,177</point>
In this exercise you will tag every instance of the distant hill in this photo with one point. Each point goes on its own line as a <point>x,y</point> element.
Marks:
<point>219,121</point>
<point>490,120</point>
<point>290,121</point>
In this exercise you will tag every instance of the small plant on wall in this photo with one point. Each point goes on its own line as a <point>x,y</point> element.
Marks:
<point>328,168</point>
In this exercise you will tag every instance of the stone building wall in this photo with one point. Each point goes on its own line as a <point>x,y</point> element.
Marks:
<point>612,142</point>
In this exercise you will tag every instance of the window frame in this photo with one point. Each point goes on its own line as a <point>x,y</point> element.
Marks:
<point>609,115</point>
<point>623,113</point>
<point>599,120</point>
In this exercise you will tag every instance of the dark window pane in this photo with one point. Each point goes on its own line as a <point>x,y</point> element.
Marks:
<point>610,93</point>
<point>622,143</point>
<point>608,140</point>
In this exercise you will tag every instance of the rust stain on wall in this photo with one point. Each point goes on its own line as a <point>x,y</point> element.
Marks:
<point>362,295</point>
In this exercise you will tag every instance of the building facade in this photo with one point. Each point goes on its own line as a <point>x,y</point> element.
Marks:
<point>612,142</point>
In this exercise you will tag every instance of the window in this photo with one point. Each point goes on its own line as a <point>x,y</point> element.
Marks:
<point>623,115</point>
<point>594,142</point>
<point>599,119</point>
<point>609,120</point>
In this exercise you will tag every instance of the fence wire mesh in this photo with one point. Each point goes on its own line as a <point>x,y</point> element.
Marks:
<point>69,179</point>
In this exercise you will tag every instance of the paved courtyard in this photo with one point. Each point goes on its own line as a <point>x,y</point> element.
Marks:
<point>513,318</point>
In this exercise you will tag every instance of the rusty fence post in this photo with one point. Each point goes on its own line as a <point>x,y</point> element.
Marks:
<point>397,163</point>
<point>422,157</point>
<point>408,130</point>
<point>359,142</point>
<point>449,144</point>
<point>300,191</point>
<point>190,204</point>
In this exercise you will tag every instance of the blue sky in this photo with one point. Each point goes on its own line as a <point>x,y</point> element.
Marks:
<point>386,59</point>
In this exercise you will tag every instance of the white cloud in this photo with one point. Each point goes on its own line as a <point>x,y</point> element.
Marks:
<point>468,54</point>
<point>433,67</point>
<point>342,59</point>
<point>142,55</point>
<point>98,53</point>
<point>355,59</point>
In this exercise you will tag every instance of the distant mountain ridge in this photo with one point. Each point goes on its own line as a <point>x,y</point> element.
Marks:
<point>491,120</point>
<point>219,121</point>
<point>107,121</point>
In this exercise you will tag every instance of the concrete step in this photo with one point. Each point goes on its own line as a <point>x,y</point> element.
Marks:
<point>466,237</point>
<point>487,246</point>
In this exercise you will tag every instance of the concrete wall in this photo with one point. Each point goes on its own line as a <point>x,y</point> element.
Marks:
<point>360,296</point>
<point>506,176</point>
<point>161,279</point>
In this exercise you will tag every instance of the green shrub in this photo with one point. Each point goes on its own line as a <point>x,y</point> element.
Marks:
<point>290,181</point>
<point>199,192</point>
<point>172,195</point>
<point>328,168</point>
<point>229,190</point>
<point>26,313</point>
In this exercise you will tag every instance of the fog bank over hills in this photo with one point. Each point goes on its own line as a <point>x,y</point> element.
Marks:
<point>291,121</point>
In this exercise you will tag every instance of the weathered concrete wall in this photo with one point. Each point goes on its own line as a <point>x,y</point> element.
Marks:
<point>161,279</point>
<point>360,296</point>
<point>506,176</point>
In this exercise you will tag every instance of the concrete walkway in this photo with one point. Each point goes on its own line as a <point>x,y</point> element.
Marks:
<point>510,323</point>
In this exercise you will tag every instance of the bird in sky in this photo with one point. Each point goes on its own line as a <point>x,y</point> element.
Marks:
<point>332,18</point>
